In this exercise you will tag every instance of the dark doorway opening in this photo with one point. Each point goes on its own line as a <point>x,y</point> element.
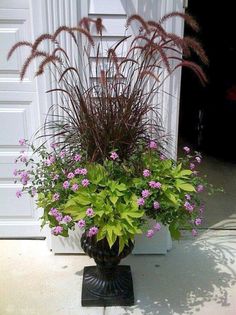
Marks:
<point>208,114</point>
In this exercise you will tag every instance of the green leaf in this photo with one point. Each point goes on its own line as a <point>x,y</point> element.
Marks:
<point>185,186</point>
<point>82,199</point>
<point>113,199</point>
<point>184,173</point>
<point>174,231</point>
<point>121,244</point>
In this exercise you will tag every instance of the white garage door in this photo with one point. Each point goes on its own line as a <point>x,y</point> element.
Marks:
<point>19,118</point>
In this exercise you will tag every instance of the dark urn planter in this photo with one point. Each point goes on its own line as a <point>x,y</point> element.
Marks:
<point>107,283</point>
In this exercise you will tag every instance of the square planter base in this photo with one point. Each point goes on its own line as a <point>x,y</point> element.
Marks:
<point>112,291</point>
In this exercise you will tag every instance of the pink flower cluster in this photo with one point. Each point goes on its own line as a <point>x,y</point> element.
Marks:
<point>154,184</point>
<point>188,206</point>
<point>92,231</point>
<point>59,216</point>
<point>114,156</point>
<point>146,173</point>
<point>81,171</point>
<point>152,145</point>
<point>50,160</point>
<point>77,157</point>
<point>24,177</point>
<point>150,233</point>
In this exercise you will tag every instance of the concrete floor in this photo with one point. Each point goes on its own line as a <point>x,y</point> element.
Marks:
<point>197,277</point>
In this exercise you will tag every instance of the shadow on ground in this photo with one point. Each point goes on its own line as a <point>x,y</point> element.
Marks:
<point>192,275</point>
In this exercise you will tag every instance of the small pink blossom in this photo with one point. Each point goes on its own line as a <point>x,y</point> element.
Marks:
<point>141,202</point>
<point>145,193</point>
<point>22,142</point>
<point>114,156</point>
<point>92,231</point>
<point>66,185</point>
<point>70,175</point>
<point>81,223</point>
<point>55,177</point>
<point>53,145</point>
<point>200,188</point>
<point>50,160</point>
<point>56,197</point>
<point>150,233</point>
<point>15,172</point>
<point>33,191</point>
<point>202,208</point>
<point>152,145</point>
<point>152,184</point>
<point>57,230</point>
<point>89,212</point>
<point>85,182</point>
<point>59,217</point>
<point>186,149</point>
<point>192,166</point>
<point>162,157</point>
<point>81,171</point>
<point>62,154</point>
<point>23,158</point>
<point>198,159</point>
<point>194,232</point>
<point>24,177</point>
<point>158,185</point>
<point>75,187</point>
<point>188,206</point>
<point>77,157</point>
<point>19,193</point>
<point>198,221</point>
<point>157,227</point>
<point>187,197</point>
<point>67,219</point>
<point>53,212</point>
<point>156,205</point>
<point>146,173</point>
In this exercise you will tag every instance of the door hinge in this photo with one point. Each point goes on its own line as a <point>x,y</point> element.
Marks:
<point>185,4</point>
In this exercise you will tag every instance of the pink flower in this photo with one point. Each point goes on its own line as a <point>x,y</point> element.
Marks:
<point>202,208</point>
<point>59,217</point>
<point>81,223</point>
<point>114,156</point>
<point>89,212</point>
<point>157,227</point>
<point>145,193</point>
<point>194,232</point>
<point>67,219</point>
<point>53,145</point>
<point>33,191</point>
<point>162,157</point>
<point>198,159</point>
<point>152,145</point>
<point>56,197</point>
<point>85,182</point>
<point>152,184</point>
<point>198,221</point>
<point>75,187</point>
<point>24,177</point>
<point>156,205</point>
<point>50,160</point>
<point>81,171</point>
<point>141,202</point>
<point>157,185</point>
<point>19,193</point>
<point>57,230</point>
<point>187,197</point>
<point>92,231</point>
<point>23,158</point>
<point>186,149</point>
<point>77,157</point>
<point>70,175</point>
<point>55,177</point>
<point>15,172</point>
<point>53,212</point>
<point>146,173</point>
<point>150,233</point>
<point>192,166</point>
<point>200,188</point>
<point>22,142</point>
<point>66,185</point>
<point>62,154</point>
<point>188,206</point>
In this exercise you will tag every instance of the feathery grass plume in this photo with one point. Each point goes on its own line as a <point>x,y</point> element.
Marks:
<point>61,50</point>
<point>49,59</point>
<point>99,26</point>
<point>197,48</point>
<point>112,54</point>
<point>85,32</point>
<point>85,22</point>
<point>187,18</point>
<point>29,60</point>
<point>157,28</point>
<point>64,29</point>
<point>136,17</point>
<point>103,79</point>
<point>41,38</point>
<point>195,68</point>
<point>19,44</point>
<point>153,47</point>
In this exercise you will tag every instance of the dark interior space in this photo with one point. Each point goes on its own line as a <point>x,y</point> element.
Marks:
<point>208,114</point>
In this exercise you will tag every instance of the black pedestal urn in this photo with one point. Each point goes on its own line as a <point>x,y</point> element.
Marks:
<point>107,283</point>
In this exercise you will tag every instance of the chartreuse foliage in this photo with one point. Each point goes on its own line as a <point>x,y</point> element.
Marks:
<point>116,212</point>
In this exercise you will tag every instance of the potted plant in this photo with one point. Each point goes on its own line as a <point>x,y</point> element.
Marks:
<point>103,163</point>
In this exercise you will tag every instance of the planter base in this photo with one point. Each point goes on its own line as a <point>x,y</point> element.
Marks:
<point>103,289</point>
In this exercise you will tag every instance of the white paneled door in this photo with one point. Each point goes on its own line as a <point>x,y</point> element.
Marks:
<point>19,118</point>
